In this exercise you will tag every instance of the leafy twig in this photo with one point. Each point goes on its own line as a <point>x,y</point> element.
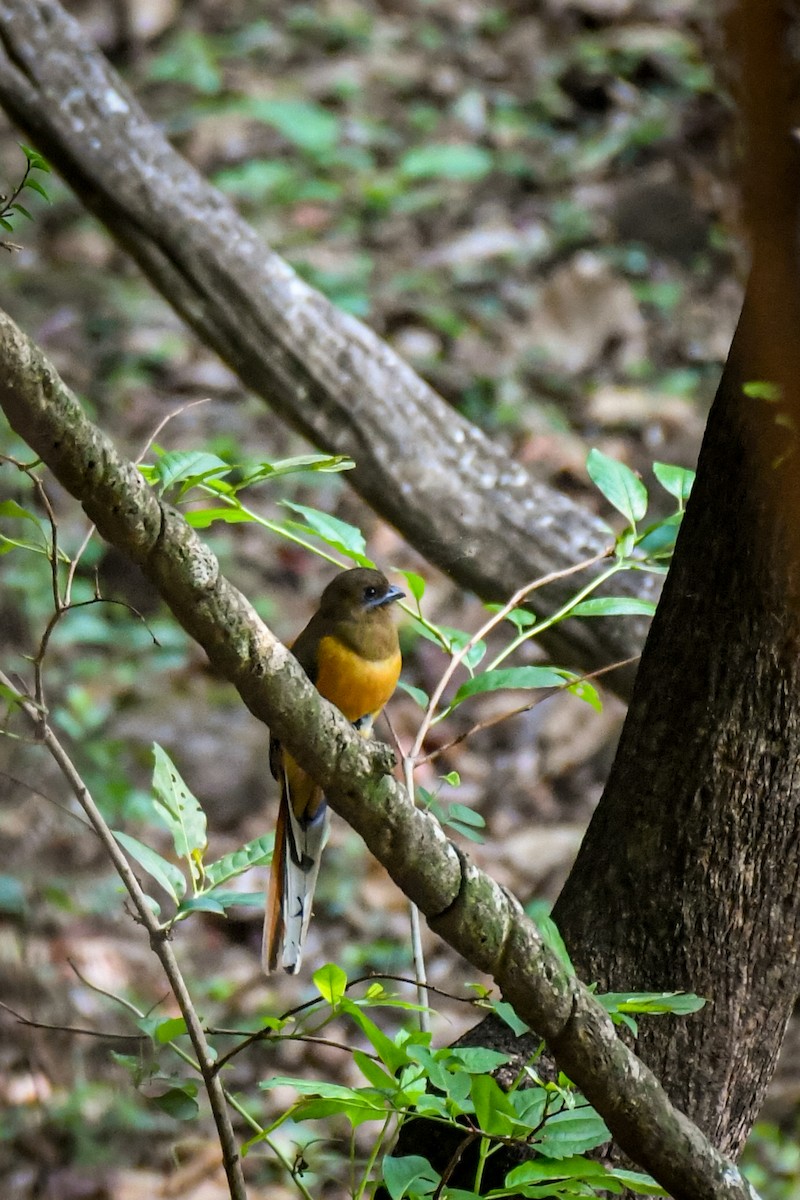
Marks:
<point>158,942</point>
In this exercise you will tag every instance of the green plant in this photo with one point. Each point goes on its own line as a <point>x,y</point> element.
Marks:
<point>11,209</point>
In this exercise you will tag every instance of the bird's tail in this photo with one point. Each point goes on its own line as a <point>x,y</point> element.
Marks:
<point>299,842</point>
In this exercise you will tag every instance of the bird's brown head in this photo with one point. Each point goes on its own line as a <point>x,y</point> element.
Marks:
<point>357,594</point>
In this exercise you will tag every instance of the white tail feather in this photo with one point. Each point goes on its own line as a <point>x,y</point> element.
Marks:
<point>305,841</point>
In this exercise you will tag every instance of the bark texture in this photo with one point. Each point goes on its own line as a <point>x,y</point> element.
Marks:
<point>689,875</point>
<point>453,493</point>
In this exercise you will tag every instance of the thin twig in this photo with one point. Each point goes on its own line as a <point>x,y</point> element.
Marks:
<point>76,1029</point>
<point>523,708</point>
<point>90,531</point>
<point>159,945</point>
<point>44,796</point>
<point>486,628</point>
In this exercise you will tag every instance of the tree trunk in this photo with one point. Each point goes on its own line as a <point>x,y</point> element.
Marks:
<point>689,875</point>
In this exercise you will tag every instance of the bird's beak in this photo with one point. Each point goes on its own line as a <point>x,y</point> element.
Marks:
<point>389,597</point>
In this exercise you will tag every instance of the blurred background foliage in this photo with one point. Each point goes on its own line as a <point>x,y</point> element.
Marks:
<point>532,205</point>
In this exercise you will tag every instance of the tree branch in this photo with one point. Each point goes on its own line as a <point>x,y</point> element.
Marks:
<point>458,497</point>
<point>462,904</point>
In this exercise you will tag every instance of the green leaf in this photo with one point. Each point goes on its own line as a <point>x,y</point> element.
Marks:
<point>10,508</point>
<point>373,1072</point>
<point>659,540</point>
<point>256,179</point>
<point>179,810</point>
<point>304,124</point>
<point>167,1030</point>
<point>21,209</point>
<point>332,1099</point>
<point>253,854</point>
<point>201,518</point>
<point>414,582</point>
<point>205,902</point>
<point>538,1171</point>
<point>35,186</point>
<point>392,1055</point>
<point>331,983</point>
<point>587,692</point>
<point>618,483</point>
<point>493,1109</point>
<point>454,779</point>
<point>521,619</point>
<point>478,1060</point>
<point>416,694</point>
<point>460,819</point>
<point>301,463</point>
<point>614,606</point>
<point>530,1105</point>
<point>506,1013</point>
<point>35,159</point>
<point>636,1181</point>
<point>187,467</point>
<point>507,678</point>
<point>465,816</point>
<point>572,1131</point>
<point>165,873</point>
<point>677,1003</point>
<point>539,913</point>
<point>178,1103</point>
<point>335,533</point>
<point>446,160</point>
<point>220,901</point>
<point>457,639</point>
<point>411,1171</point>
<point>677,481</point>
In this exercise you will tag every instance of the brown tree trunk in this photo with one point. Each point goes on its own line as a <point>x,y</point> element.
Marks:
<point>689,875</point>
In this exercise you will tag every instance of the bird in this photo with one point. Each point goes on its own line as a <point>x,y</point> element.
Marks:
<point>351,653</point>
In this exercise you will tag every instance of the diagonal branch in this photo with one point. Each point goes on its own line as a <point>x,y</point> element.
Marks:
<point>325,373</point>
<point>462,904</point>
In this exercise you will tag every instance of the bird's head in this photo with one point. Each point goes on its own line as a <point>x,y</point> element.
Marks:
<point>358,592</point>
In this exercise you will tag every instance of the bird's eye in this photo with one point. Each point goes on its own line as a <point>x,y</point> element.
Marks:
<point>370,593</point>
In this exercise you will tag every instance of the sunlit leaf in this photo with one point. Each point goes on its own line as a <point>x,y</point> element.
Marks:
<point>619,484</point>
<point>331,983</point>
<point>414,582</point>
<point>614,606</point>
<point>677,481</point>
<point>169,1028</point>
<point>334,532</point>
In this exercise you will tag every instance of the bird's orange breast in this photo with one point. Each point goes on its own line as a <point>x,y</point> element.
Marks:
<point>357,686</point>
